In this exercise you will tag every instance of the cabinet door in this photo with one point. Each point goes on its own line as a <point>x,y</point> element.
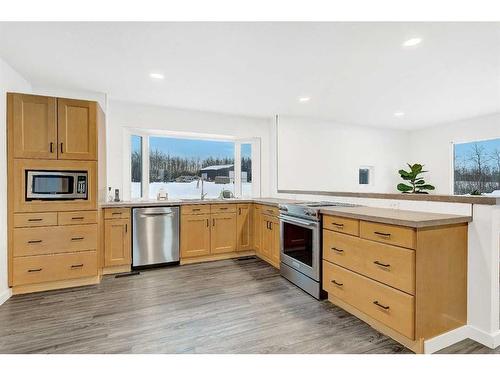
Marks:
<point>195,235</point>
<point>34,126</point>
<point>223,233</point>
<point>266,236</point>
<point>244,224</point>
<point>275,250</point>
<point>257,233</point>
<point>117,250</point>
<point>77,129</point>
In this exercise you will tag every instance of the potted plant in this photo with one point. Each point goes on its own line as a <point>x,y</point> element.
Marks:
<point>417,184</point>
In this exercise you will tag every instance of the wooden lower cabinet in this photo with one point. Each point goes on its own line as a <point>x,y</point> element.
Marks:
<point>195,235</point>
<point>409,283</point>
<point>257,232</point>
<point>117,242</point>
<point>270,240</point>
<point>244,227</point>
<point>223,233</point>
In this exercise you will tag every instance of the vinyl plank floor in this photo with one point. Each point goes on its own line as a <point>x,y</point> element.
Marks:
<point>231,306</point>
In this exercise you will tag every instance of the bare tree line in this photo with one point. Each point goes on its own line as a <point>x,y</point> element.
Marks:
<point>479,172</point>
<point>166,168</point>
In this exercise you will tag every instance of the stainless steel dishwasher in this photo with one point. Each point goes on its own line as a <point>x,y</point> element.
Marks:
<point>155,236</point>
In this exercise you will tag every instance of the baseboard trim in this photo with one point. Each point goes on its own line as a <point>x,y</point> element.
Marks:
<point>214,257</point>
<point>5,295</point>
<point>491,340</point>
<point>446,339</point>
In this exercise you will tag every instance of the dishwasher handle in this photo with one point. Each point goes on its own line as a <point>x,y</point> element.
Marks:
<point>157,214</point>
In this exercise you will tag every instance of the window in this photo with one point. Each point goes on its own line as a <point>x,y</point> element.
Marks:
<point>136,166</point>
<point>365,175</point>
<point>477,167</point>
<point>246,169</point>
<point>182,166</point>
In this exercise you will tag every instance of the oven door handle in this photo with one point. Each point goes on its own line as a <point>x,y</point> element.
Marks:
<point>298,221</point>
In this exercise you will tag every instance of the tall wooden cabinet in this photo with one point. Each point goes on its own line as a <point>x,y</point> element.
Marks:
<point>54,243</point>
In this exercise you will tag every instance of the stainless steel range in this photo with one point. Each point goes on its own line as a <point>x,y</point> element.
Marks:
<point>300,228</point>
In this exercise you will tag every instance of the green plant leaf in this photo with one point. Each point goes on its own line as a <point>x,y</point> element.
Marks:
<point>404,188</point>
<point>419,181</point>
<point>426,187</point>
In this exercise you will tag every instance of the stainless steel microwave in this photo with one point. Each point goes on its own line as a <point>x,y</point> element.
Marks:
<point>56,185</point>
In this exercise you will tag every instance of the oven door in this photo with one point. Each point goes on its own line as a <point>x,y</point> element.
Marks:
<point>300,245</point>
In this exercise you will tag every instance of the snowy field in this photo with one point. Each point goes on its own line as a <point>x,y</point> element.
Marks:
<point>178,190</point>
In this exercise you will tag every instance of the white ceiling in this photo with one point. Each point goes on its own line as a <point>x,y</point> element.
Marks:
<point>355,73</point>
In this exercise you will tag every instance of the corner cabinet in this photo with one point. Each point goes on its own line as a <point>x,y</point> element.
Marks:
<point>53,128</point>
<point>117,238</point>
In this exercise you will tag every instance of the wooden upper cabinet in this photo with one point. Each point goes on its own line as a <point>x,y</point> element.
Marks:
<point>195,235</point>
<point>77,129</point>
<point>34,126</point>
<point>223,233</point>
<point>244,225</point>
<point>117,249</point>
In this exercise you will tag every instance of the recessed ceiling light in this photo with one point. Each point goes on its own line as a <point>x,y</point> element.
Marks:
<point>304,99</point>
<point>156,75</point>
<point>399,114</point>
<point>412,42</point>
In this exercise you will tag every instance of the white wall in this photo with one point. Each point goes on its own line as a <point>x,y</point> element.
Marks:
<point>10,80</point>
<point>325,155</point>
<point>433,146</point>
<point>122,116</point>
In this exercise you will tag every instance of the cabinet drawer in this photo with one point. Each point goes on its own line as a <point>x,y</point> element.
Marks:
<point>116,213</point>
<point>389,306</point>
<point>270,210</point>
<point>49,240</point>
<point>388,264</point>
<point>195,209</point>
<point>35,220</point>
<point>386,233</point>
<point>341,224</point>
<point>77,217</point>
<point>222,208</point>
<point>43,268</point>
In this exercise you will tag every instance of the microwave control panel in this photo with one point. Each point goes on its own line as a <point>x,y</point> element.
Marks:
<point>81,185</point>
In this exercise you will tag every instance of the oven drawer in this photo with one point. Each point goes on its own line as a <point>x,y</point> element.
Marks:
<point>195,209</point>
<point>390,234</point>
<point>222,208</point>
<point>44,268</point>
<point>388,264</point>
<point>49,240</point>
<point>389,306</point>
<point>77,217</point>
<point>41,219</point>
<point>341,224</point>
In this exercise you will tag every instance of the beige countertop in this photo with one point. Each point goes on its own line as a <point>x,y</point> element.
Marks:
<point>412,219</point>
<point>180,202</point>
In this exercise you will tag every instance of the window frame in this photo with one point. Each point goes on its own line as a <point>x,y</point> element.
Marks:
<point>145,134</point>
